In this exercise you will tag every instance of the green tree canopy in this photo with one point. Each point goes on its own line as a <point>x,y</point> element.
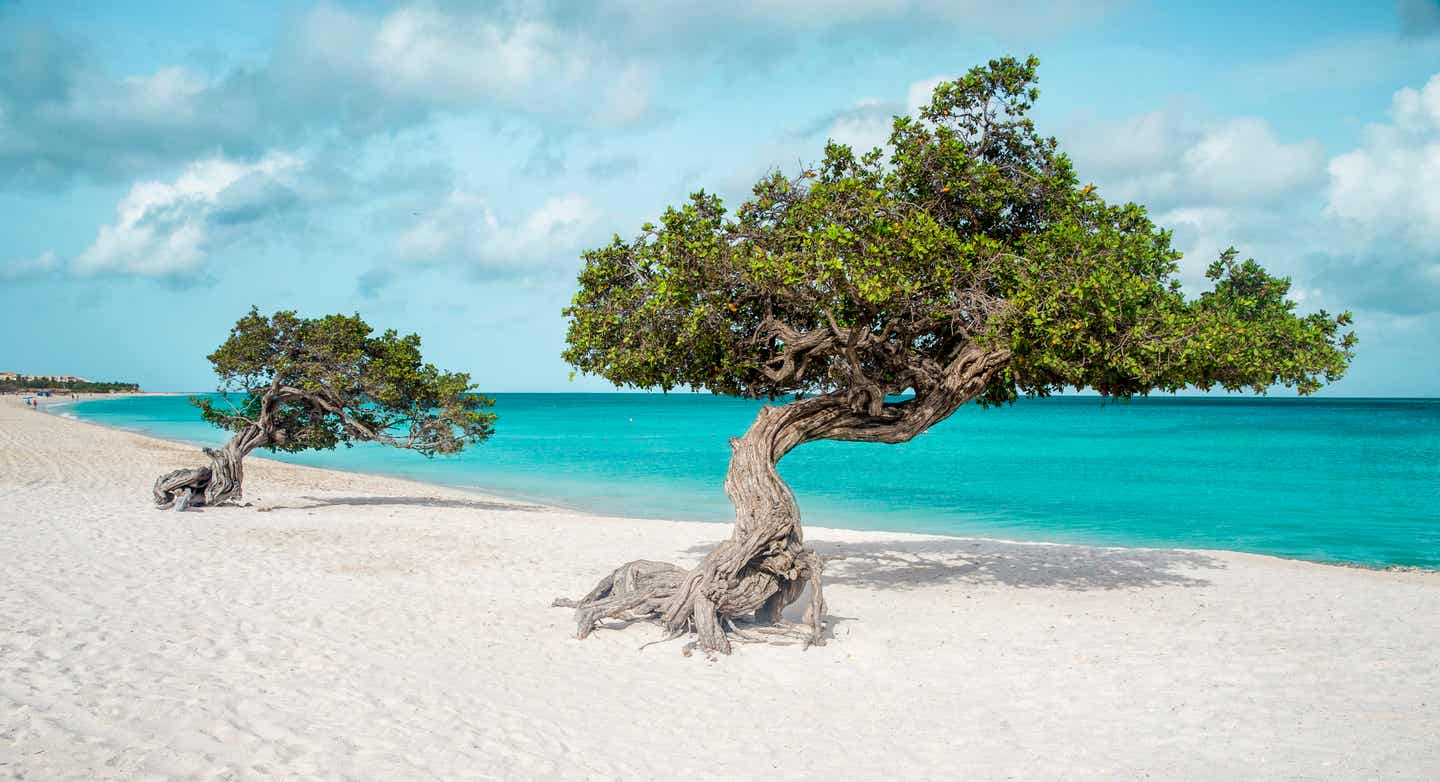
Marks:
<point>307,383</point>
<point>869,274</point>
<point>321,382</point>
<point>967,262</point>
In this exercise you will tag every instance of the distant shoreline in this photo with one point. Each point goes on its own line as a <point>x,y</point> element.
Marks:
<point>89,395</point>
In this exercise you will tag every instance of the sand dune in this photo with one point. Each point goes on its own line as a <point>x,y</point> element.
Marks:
<point>354,626</point>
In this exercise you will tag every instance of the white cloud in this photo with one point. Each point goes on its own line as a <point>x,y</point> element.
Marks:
<point>165,229</point>
<point>919,92</point>
<point>683,21</point>
<point>626,98</point>
<point>420,52</point>
<point>1418,110</point>
<point>556,225</point>
<point>1167,159</point>
<point>1242,160</point>
<point>158,96</point>
<point>863,126</point>
<point>173,228</point>
<point>418,58</point>
<point>373,68</point>
<point>867,123</point>
<point>1150,141</point>
<point>1388,188</point>
<point>1201,232</point>
<point>360,72</point>
<point>60,115</point>
<point>1358,230</point>
<point>34,266</point>
<point>465,230</point>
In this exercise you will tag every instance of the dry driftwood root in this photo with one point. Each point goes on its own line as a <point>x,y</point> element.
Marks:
<point>194,487</point>
<point>708,603</point>
<point>179,489</point>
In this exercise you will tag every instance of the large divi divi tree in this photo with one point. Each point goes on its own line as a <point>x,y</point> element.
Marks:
<point>876,294</point>
<point>296,384</point>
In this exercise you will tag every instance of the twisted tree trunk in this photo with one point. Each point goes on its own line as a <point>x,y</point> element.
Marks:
<point>765,565</point>
<point>220,482</point>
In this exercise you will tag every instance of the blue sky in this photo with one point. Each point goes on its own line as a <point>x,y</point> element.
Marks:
<point>438,167</point>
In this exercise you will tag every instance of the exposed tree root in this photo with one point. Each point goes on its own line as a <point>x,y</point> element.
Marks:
<point>708,603</point>
<point>763,568</point>
<point>178,489</point>
<point>765,565</point>
<point>193,487</point>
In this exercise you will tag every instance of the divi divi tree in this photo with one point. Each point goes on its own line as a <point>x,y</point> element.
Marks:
<point>297,384</point>
<point>875,294</point>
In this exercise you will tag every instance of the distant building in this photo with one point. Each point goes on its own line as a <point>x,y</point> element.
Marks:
<point>50,378</point>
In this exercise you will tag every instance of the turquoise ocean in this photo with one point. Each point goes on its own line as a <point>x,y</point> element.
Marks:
<point>1335,480</point>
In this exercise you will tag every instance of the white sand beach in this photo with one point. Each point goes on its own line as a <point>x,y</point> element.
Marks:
<point>348,626</point>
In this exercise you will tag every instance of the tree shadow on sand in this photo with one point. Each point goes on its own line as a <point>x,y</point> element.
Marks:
<point>309,503</point>
<point>907,564</point>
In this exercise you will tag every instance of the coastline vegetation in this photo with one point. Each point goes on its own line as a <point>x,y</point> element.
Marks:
<point>25,383</point>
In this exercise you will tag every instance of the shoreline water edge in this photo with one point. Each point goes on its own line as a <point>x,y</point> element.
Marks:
<point>655,470</point>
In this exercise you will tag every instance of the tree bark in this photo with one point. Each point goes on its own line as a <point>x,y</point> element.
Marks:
<point>765,566</point>
<point>222,481</point>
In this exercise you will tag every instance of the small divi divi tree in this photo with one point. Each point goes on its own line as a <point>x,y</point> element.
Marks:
<point>876,294</point>
<point>304,383</point>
